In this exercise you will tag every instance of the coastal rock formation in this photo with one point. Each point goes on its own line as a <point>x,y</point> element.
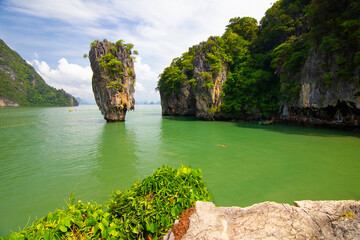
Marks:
<point>269,220</point>
<point>6,103</point>
<point>294,66</point>
<point>21,85</point>
<point>197,84</point>
<point>334,101</point>
<point>113,78</point>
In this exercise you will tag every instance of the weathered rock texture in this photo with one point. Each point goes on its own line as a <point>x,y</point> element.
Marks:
<point>335,103</point>
<point>6,103</point>
<point>269,220</point>
<point>200,98</point>
<point>113,79</point>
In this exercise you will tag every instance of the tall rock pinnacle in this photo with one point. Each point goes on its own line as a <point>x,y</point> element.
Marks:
<point>113,78</point>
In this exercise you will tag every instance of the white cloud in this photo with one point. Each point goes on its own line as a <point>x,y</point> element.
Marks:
<point>73,78</point>
<point>139,87</point>
<point>146,81</point>
<point>76,79</point>
<point>160,30</point>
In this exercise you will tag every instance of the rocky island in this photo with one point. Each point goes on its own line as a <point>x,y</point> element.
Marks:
<point>300,64</point>
<point>113,78</point>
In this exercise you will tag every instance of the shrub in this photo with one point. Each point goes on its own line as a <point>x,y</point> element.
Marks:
<point>148,209</point>
<point>145,211</point>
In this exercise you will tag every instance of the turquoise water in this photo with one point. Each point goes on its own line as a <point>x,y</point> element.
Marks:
<point>45,153</point>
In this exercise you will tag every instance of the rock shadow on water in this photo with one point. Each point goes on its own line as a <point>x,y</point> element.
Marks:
<point>181,118</point>
<point>298,130</point>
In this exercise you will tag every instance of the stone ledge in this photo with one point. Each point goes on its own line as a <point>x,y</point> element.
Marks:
<point>270,220</point>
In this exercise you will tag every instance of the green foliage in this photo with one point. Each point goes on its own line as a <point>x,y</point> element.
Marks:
<point>171,80</point>
<point>335,29</point>
<point>116,85</point>
<point>245,27</point>
<point>193,82</point>
<point>145,211</point>
<point>119,43</point>
<point>128,48</point>
<point>330,44</point>
<point>93,43</point>
<point>77,221</point>
<point>111,66</point>
<point>24,85</point>
<point>340,60</point>
<point>265,62</point>
<point>149,208</point>
<point>327,78</point>
<point>357,58</point>
<point>206,76</point>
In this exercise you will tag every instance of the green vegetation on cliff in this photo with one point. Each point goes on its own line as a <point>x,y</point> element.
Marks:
<point>20,83</point>
<point>145,211</point>
<point>265,61</point>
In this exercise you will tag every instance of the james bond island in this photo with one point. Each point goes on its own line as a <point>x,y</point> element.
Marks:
<point>113,78</point>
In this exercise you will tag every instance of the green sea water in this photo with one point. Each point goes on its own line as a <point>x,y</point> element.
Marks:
<point>45,153</point>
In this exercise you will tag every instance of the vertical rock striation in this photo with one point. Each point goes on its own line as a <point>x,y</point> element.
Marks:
<point>113,78</point>
<point>334,102</point>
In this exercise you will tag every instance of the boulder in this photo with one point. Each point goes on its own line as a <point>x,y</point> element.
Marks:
<point>270,220</point>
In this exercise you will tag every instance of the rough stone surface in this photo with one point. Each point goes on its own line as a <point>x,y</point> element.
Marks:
<point>113,91</point>
<point>7,103</point>
<point>270,220</point>
<point>197,101</point>
<point>333,104</point>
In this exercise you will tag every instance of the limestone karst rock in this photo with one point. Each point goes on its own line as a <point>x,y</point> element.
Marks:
<point>270,220</point>
<point>198,85</point>
<point>113,78</point>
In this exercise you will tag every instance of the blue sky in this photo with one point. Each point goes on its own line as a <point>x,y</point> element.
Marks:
<point>53,35</point>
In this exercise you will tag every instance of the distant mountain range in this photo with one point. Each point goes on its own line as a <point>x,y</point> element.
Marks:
<point>21,85</point>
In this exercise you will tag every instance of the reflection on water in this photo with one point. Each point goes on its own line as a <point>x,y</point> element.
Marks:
<point>45,153</point>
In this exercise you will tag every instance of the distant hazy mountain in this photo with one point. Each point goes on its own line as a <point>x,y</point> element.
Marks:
<point>84,102</point>
<point>21,85</point>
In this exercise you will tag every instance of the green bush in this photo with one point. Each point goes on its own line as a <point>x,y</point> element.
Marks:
<point>151,207</point>
<point>145,211</point>
<point>327,78</point>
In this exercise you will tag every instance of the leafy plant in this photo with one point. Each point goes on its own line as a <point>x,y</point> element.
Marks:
<point>145,211</point>
<point>148,209</point>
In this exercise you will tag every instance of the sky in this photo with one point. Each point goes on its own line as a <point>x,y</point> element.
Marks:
<point>53,35</point>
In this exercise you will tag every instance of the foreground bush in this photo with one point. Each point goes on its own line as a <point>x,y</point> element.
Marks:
<point>145,211</point>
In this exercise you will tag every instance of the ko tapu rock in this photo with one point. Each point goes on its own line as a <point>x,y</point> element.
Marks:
<point>113,78</point>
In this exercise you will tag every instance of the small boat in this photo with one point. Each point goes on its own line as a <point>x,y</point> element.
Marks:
<point>71,110</point>
<point>222,145</point>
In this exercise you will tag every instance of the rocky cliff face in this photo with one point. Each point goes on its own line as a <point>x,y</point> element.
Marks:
<point>269,220</point>
<point>6,103</point>
<point>113,78</point>
<point>325,97</point>
<point>199,88</point>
